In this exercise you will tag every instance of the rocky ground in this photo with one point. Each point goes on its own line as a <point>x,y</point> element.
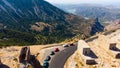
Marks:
<point>106,57</point>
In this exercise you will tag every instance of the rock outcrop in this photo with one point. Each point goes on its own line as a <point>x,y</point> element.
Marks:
<point>96,27</point>
<point>27,60</point>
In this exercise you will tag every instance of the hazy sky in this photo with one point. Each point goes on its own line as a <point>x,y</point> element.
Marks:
<point>83,1</point>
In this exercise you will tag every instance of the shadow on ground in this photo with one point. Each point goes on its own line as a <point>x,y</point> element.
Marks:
<point>4,66</point>
<point>91,54</point>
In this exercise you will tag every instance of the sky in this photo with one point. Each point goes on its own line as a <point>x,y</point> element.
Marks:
<point>84,1</point>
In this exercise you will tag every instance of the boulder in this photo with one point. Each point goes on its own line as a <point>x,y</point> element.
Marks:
<point>27,60</point>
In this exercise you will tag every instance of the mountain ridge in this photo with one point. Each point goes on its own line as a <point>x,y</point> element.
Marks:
<point>45,22</point>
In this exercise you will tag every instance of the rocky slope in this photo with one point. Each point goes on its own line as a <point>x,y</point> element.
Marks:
<point>113,25</point>
<point>100,46</point>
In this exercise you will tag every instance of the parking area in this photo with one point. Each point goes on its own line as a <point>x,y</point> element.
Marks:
<point>57,52</point>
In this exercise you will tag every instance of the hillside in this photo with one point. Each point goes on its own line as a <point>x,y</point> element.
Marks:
<point>44,22</point>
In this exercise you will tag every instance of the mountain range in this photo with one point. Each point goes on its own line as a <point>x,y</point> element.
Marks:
<point>105,13</point>
<point>24,22</point>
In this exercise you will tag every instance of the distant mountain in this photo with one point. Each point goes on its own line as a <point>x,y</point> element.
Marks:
<point>103,12</point>
<point>38,22</point>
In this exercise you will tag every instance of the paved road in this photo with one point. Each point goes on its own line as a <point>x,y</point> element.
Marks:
<point>59,59</point>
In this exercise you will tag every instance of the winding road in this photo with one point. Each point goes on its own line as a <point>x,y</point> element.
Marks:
<point>59,59</point>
